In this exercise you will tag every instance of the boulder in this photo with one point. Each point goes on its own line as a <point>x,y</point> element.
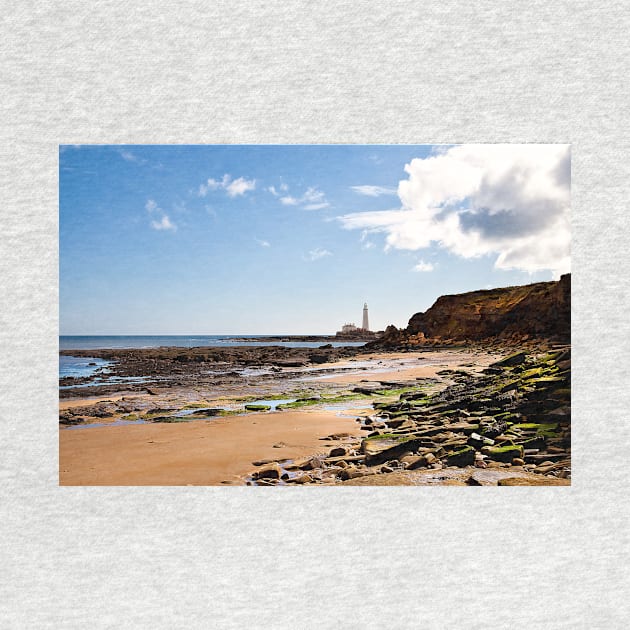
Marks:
<point>411,462</point>
<point>270,471</point>
<point>338,451</point>
<point>463,457</point>
<point>504,453</point>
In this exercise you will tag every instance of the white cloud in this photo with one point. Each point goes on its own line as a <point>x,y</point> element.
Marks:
<point>240,186</point>
<point>312,199</point>
<point>163,222</point>
<point>263,243</point>
<point>365,242</point>
<point>233,188</point>
<point>273,191</point>
<point>373,191</point>
<point>512,201</point>
<point>423,266</point>
<point>317,253</point>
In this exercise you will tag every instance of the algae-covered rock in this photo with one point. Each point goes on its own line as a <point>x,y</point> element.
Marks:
<point>252,407</point>
<point>503,453</point>
<point>463,457</point>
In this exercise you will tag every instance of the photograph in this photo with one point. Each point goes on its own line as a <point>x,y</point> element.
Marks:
<point>315,314</point>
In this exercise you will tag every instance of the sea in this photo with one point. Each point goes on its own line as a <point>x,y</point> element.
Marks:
<point>93,342</point>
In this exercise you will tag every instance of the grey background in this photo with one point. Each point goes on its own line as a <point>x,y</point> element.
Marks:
<point>303,72</point>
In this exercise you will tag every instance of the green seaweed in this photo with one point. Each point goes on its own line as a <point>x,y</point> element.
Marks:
<point>257,407</point>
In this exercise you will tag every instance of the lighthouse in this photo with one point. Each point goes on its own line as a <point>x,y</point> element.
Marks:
<point>366,323</point>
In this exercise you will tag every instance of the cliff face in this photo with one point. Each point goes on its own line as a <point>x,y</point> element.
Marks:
<point>541,310</point>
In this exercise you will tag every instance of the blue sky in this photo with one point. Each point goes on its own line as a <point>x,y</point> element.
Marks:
<point>295,238</point>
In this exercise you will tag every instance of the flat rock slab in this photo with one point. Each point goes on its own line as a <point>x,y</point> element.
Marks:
<point>538,481</point>
<point>458,477</point>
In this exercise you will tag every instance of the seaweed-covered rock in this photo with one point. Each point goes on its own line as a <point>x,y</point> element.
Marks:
<point>462,457</point>
<point>503,453</point>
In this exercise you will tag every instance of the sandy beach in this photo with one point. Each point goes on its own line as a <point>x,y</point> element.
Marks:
<point>194,453</point>
<point>212,451</point>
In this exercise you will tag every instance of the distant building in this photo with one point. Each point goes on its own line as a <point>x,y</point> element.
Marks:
<point>348,328</point>
<point>352,331</point>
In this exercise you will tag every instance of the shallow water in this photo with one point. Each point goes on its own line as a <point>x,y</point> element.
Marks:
<point>273,403</point>
<point>79,367</point>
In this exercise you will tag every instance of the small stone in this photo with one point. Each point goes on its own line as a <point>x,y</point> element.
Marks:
<point>339,451</point>
<point>302,479</point>
<point>517,461</point>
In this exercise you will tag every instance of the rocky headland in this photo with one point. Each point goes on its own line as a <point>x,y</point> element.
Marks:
<point>525,314</point>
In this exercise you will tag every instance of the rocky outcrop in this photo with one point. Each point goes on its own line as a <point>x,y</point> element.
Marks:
<point>476,431</point>
<point>534,311</point>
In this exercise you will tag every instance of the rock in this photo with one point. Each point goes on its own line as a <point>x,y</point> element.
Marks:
<point>252,407</point>
<point>210,411</point>
<point>378,451</point>
<point>540,481</point>
<point>514,359</point>
<point>386,469</point>
<point>504,453</point>
<point>263,462</point>
<point>430,457</point>
<point>477,441</point>
<point>461,458</point>
<point>350,473</point>
<point>303,463</point>
<point>270,471</point>
<point>369,391</point>
<point>279,445</point>
<point>338,451</point>
<point>302,479</point>
<point>411,462</point>
<point>517,461</point>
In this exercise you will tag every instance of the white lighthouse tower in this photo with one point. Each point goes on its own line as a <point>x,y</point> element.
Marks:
<point>366,323</point>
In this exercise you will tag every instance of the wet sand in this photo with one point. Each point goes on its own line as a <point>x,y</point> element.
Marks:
<point>194,453</point>
<point>428,365</point>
